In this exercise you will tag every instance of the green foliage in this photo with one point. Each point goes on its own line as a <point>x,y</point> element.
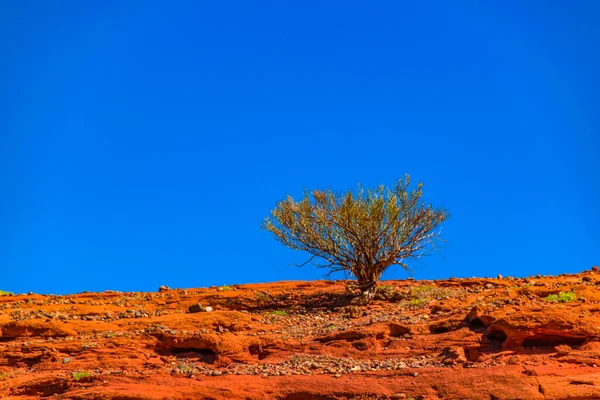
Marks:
<point>418,301</point>
<point>81,375</point>
<point>280,313</point>
<point>225,288</point>
<point>562,297</point>
<point>423,289</point>
<point>185,369</point>
<point>3,376</point>
<point>5,293</point>
<point>362,233</point>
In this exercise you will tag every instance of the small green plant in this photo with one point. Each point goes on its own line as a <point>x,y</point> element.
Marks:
<point>418,301</point>
<point>422,289</point>
<point>186,369</point>
<point>3,376</point>
<point>281,313</point>
<point>562,297</point>
<point>81,375</point>
<point>225,288</point>
<point>5,293</point>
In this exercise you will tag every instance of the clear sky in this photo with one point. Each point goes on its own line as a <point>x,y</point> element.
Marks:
<point>143,142</point>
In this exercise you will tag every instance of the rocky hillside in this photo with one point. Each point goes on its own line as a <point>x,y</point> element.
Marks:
<point>501,338</point>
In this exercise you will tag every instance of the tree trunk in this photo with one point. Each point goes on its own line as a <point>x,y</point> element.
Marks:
<point>367,291</point>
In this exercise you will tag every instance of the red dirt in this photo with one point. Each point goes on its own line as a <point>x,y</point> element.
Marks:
<point>451,339</point>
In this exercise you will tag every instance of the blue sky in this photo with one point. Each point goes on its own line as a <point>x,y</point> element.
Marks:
<point>142,143</point>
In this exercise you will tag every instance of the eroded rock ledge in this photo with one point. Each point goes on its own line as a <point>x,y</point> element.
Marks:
<point>452,339</point>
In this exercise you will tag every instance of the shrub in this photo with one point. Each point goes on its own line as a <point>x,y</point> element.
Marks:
<point>5,293</point>
<point>81,375</point>
<point>360,233</point>
<point>562,297</point>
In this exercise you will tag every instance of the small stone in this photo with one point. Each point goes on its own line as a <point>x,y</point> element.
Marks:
<point>489,286</point>
<point>415,374</point>
<point>500,276</point>
<point>398,396</point>
<point>337,376</point>
<point>196,308</point>
<point>513,360</point>
<point>453,354</point>
<point>163,288</point>
<point>595,268</point>
<point>138,314</point>
<point>66,360</point>
<point>208,309</point>
<point>562,350</point>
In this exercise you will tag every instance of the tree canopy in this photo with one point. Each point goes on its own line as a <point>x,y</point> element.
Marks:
<point>362,232</point>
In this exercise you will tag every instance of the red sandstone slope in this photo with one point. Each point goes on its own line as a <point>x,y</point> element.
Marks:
<point>453,339</point>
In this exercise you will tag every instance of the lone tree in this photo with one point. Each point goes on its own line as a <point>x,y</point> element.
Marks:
<point>362,233</point>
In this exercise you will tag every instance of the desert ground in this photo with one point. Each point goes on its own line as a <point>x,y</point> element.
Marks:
<point>480,338</point>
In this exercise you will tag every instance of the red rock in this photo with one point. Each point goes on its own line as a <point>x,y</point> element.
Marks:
<point>291,339</point>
